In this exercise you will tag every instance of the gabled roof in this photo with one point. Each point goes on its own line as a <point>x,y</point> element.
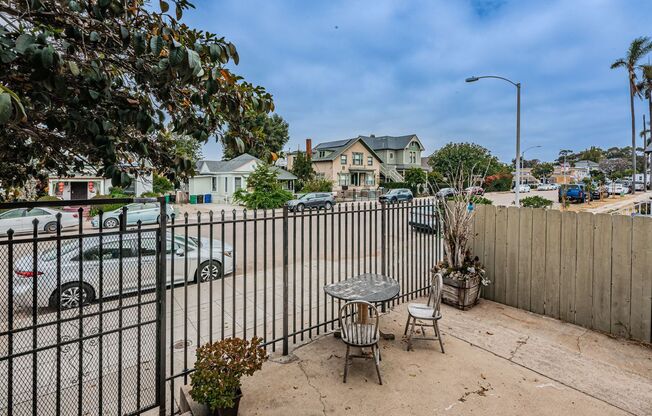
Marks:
<point>337,148</point>
<point>391,142</point>
<point>227,166</point>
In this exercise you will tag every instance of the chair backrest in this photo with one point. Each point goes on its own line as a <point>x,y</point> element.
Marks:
<point>436,286</point>
<point>359,322</point>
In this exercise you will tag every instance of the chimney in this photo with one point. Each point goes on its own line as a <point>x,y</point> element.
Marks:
<point>309,148</point>
<point>372,135</point>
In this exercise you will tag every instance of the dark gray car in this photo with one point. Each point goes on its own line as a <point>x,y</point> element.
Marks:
<point>312,200</point>
<point>397,195</point>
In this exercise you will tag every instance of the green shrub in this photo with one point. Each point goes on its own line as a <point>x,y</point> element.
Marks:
<point>498,183</point>
<point>46,198</point>
<point>536,202</point>
<point>219,368</point>
<point>265,191</point>
<point>95,209</point>
<point>475,199</point>
<point>161,185</point>
<point>150,195</point>
<point>318,185</point>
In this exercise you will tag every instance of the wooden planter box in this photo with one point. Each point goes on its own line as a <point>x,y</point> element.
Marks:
<point>461,294</point>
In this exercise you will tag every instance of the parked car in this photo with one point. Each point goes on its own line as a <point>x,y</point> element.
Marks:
<point>522,188</point>
<point>572,192</point>
<point>423,218</point>
<point>616,188</point>
<point>638,185</point>
<point>397,195</point>
<point>49,295</point>
<point>21,220</point>
<point>546,187</point>
<point>310,200</point>
<point>446,192</point>
<point>474,190</point>
<point>148,213</point>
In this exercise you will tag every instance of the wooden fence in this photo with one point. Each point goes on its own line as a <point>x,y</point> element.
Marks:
<point>593,270</point>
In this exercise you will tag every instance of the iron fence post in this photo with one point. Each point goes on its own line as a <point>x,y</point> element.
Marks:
<point>383,237</point>
<point>285,280</point>
<point>160,308</point>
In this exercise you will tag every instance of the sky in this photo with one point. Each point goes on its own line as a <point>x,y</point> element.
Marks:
<point>339,69</point>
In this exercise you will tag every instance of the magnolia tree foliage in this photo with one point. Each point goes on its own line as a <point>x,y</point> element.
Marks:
<point>94,83</point>
<point>260,135</point>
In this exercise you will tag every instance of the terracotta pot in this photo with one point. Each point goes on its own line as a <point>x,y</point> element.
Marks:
<point>462,294</point>
<point>230,411</point>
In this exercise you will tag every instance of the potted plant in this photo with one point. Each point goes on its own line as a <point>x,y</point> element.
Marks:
<point>463,274</point>
<point>219,367</point>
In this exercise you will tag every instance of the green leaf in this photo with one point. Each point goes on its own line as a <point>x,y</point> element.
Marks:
<point>179,11</point>
<point>193,60</point>
<point>124,33</point>
<point>5,107</point>
<point>164,6</point>
<point>94,94</point>
<point>74,69</point>
<point>176,56</point>
<point>156,45</point>
<point>47,56</point>
<point>23,42</point>
<point>94,37</point>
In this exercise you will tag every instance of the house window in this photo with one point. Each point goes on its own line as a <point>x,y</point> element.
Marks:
<point>343,159</point>
<point>357,158</point>
<point>391,155</point>
<point>226,185</point>
<point>343,179</point>
<point>320,175</point>
<point>413,157</point>
<point>321,153</point>
<point>370,179</point>
<point>370,161</point>
<point>238,183</point>
<point>214,184</point>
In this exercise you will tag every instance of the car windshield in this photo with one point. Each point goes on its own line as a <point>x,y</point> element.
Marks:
<point>306,196</point>
<point>394,192</point>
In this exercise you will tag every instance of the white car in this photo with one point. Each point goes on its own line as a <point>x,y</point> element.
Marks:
<point>546,187</point>
<point>522,188</point>
<point>138,267</point>
<point>21,220</point>
<point>616,188</point>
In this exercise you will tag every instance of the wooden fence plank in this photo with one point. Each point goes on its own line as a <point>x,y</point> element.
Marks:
<point>553,252</point>
<point>641,316</point>
<point>621,275</point>
<point>501,254</point>
<point>567,267</point>
<point>477,249</point>
<point>537,285</point>
<point>584,270</point>
<point>489,249</point>
<point>511,262</point>
<point>602,239</point>
<point>525,258</point>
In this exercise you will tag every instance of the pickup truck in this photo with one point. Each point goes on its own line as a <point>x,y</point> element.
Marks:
<point>574,192</point>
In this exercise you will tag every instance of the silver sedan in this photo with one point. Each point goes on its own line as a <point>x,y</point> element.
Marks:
<point>81,269</point>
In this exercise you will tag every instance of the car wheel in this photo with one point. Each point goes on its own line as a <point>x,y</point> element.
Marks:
<point>328,205</point>
<point>51,227</point>
<point>300,207</point>
<point>394,200</point>
<point>111,223</point>
<point>210,271</point>
<point>70,295</point>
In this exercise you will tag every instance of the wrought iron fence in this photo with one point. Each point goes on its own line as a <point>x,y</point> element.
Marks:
<point>155,292</point>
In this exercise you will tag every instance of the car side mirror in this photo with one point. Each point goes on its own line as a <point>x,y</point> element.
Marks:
<point>179,252</point>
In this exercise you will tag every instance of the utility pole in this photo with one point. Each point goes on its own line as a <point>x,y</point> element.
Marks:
<point>644,157</point>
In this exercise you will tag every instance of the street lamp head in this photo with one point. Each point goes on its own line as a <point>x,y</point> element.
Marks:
<point>472,79</point>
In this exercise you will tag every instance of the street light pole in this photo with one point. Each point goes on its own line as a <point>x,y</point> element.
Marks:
<point>523,154</point>
<point>517,179</point>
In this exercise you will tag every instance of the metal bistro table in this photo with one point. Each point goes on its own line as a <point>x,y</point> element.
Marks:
<point>370,287</point>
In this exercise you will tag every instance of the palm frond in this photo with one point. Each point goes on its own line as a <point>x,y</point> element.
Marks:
<point>618,63</point>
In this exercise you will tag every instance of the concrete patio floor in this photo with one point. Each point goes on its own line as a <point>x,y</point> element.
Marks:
<point>499,361</point>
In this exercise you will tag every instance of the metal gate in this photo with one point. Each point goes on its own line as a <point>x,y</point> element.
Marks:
<point>59,356</point>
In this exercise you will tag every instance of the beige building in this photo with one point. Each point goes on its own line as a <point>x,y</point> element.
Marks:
<point>350,164</point>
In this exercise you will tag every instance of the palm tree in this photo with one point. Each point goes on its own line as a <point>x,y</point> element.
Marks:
<point>646,87</point>
<point>637,50</point>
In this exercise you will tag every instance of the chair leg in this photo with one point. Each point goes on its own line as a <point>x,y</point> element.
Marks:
<point>375,350</point>
<point>407,324</point>
<point>346,363</point>
<point>438,333</point>
<point>414,323</point>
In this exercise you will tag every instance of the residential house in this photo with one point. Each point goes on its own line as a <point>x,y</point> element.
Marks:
<point>221,178</point>
<point>87,184</point>
<point>398,154</point>
<point>583,168</point>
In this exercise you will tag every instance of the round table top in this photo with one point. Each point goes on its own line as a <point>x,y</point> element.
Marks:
<point>368,287</point>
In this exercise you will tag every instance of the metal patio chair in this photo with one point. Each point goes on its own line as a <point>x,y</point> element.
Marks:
<point>359,328</point>
<point>426,315</point>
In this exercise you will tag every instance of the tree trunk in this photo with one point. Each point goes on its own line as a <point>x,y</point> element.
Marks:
<point>631,107</point>
<point>647,156</point>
